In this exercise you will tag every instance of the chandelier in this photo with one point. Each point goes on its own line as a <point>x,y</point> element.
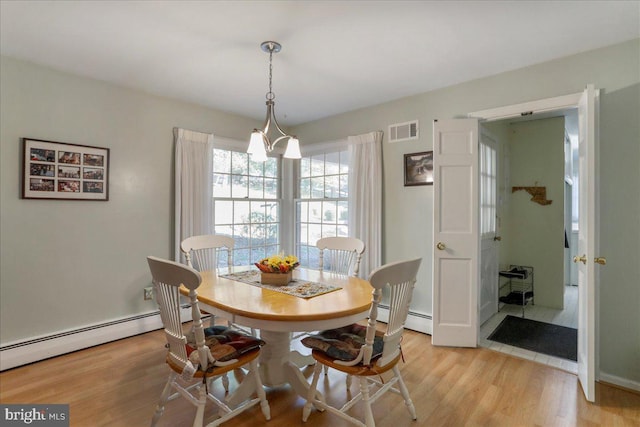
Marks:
<point>260,144</point>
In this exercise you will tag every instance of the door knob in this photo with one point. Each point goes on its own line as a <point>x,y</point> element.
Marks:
<point>601,260</point>
<point>441,246</point>
<point>497,238</point>
<point>578,259</point>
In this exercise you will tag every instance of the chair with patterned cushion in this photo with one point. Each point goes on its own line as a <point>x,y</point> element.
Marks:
<point>196,359</point>
<point>366,353</point>
<point>340,255</point>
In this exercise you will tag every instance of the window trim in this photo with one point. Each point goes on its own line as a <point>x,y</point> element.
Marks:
<point>324,147</point>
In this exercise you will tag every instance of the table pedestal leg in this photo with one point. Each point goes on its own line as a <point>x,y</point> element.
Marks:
<point>278,366</point>
<point>274,356</point>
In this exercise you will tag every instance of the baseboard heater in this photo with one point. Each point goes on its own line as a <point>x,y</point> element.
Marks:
<point>44,347</point>
<point>418,322</point>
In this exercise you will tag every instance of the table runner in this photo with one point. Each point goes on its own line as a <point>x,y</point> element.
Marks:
<point>296,287</point>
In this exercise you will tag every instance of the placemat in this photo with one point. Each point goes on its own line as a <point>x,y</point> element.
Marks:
<point>296,287</point>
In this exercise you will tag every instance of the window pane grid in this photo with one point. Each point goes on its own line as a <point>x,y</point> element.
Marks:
<point>488,182</point>
<point>246,204</point>
<point>322,205</point>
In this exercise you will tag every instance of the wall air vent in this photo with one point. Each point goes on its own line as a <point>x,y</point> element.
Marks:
<point>403,131</point>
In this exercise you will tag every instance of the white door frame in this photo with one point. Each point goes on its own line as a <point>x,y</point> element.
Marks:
<point>558,104</point>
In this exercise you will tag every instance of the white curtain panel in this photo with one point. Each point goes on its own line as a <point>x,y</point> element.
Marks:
<point>193,185</point>
<point>365,197</point>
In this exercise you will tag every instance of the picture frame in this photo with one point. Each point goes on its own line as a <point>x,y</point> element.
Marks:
<point>62,171</point>
<point>418,168</point>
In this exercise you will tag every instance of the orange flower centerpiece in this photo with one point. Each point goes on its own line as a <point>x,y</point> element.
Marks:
<point>277,269</point>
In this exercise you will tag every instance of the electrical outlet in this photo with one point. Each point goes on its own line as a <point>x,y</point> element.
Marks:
<point>148,292</point>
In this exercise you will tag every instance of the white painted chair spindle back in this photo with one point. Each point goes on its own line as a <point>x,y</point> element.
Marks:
<point>401,278</point>
<point>167,278</point>
<point>340,255</point>
<point>204,253</point>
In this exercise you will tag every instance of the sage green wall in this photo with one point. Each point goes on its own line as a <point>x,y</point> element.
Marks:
<point>70,264</point>
<point>408,210</point>
<point>536,232</point>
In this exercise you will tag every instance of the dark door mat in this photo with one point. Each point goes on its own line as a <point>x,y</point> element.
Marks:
<point>554,340</point>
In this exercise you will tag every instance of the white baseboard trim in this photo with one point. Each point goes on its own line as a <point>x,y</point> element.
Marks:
<point>22,352</point>
<point>621,382</point>
<point>415,321</point>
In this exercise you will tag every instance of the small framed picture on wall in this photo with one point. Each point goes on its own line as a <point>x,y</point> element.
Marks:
<point>56,170</point>
<point>418,168</point>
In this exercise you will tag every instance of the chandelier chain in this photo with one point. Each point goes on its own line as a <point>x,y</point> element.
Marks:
<point>270,94</point>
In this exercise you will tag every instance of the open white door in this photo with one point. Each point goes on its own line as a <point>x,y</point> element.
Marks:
<point>488,187</point>
<point>455,261</point>
<point>587,240</point>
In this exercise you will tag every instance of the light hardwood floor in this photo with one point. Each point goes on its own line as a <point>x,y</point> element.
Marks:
<point>118,384</point>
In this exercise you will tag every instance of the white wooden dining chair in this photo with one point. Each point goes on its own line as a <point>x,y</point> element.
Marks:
<point>340,255</point>
<point>193,366</point>
<point>210,252</point>
<point>365,353</point>
<point>343,256</point>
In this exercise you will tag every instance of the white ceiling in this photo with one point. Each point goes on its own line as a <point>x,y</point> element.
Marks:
<point>337,56</point>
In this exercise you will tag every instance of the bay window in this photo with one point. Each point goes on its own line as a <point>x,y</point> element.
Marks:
<point>248,203</point>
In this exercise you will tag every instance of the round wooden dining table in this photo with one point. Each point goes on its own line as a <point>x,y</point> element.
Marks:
<point>277,315</point>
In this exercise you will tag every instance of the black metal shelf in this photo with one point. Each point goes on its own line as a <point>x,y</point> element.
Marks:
<point>519,284</point>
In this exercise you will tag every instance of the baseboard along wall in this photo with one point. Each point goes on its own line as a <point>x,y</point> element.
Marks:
<point>40,348</point>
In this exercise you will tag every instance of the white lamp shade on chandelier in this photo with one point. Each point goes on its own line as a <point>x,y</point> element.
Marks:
<point>260,144</point>
<point>293,149</point>
<point>256,147</point>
